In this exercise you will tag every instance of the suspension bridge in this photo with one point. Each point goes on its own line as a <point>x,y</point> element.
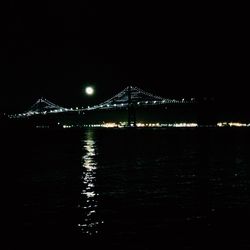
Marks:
<point>129,98</point>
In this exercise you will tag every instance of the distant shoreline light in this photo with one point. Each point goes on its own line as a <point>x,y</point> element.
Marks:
<point>159,125</point>
<point>232,124</point>
<point>139,125</point>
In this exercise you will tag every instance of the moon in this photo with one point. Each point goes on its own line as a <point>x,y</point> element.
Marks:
<point>89,90</point>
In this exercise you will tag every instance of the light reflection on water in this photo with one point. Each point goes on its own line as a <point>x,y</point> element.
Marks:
<point>184,187</point>
<point>89,203</point>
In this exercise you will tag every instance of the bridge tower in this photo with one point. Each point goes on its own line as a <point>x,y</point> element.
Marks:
<point>131,109</point>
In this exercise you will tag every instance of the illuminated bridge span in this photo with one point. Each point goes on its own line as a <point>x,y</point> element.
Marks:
<point>41,107</point>
<point>136,97</point>
<point>129,98</point>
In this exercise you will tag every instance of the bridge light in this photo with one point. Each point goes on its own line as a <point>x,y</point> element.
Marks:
<point>154,101</point>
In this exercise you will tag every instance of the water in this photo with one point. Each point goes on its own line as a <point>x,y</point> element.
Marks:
<point>133,189</point>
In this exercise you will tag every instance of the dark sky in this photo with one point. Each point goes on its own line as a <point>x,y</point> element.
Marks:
<point>54,49</point>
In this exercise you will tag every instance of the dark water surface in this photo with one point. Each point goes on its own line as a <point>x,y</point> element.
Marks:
<point>133,189</point>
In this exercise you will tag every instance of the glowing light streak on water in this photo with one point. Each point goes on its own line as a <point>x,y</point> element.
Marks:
<point>89,203</point>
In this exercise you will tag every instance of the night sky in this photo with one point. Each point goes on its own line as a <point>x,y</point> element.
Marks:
<point>54,49</point>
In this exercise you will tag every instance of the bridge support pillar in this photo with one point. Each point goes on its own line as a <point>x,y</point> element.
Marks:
<point>131,116</point>
<point>131,110</point>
